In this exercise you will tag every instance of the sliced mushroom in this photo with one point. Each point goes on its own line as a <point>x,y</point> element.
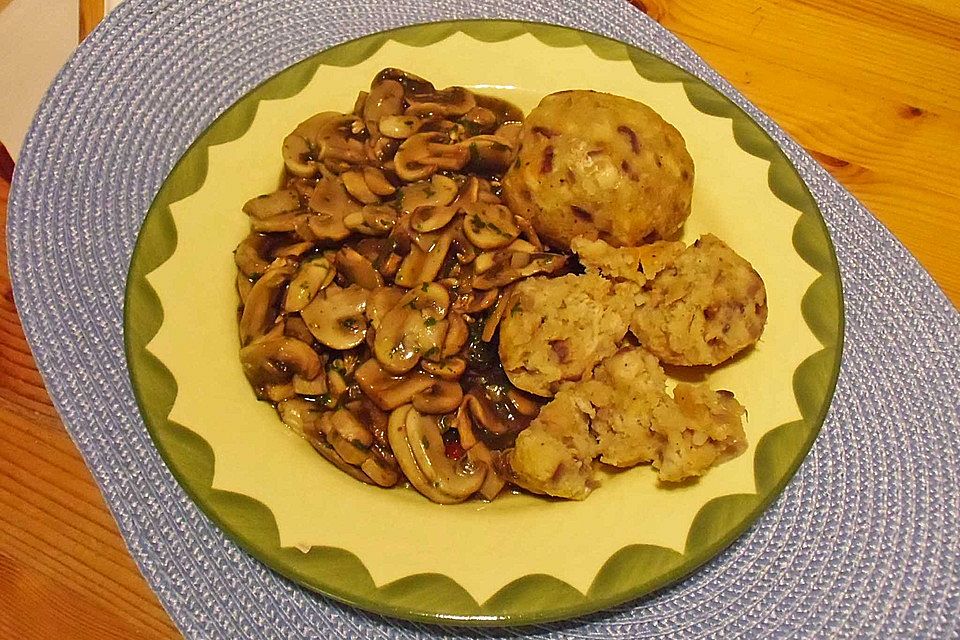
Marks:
<point>489,226</point>
<point>411,83</point>
<point>449,368</point>
<point>510,132</point>
<point>299,148</point>
<point>294,250</point>
<point>336,385</point>
<point>457,335</point>
<point>357,269</point>
<point>380,302</point>
<point>386,390</point>
<point>244,285</point>
<point>325,449</point>
<point>372,220</point>
<point>273,361</point>
<point>400,127</point>
<point>457,481</point>
<point>441,397</point>
<point>356,185</point>
<point>349,437</point>
<point>493,482</point>
<point>279,223</point>
<point>258,312</point>
<point>302,416</point>
<point>471,301</point>
<point>337,318</point>
<point>419,449</point>
<point>413,329</point>
<point>423,154</point>
<point>528,232</point>
<point>489,259</point>
<point>523,403</point>
<point>385,100</point>
<point>481,118</point>
<point>295,327</point>
<point>452,101</point>
<point>380,471</point>
<point>316,386</point>
<point>490,325</point>
<point>422,265</point>
<point>463,249</point>
<point>359,103</point>
<point>431,218</point>
<point>377,182</point>
<point>271,204</point>
<point>483,413</point>
<point>505,269</point>
<point>489,155</point>
<point>439,191</point>
<point>248,257</point>
<point>336,147</point>
<point>312,276</point>
<point>332,204</point>
<point>370,416</point>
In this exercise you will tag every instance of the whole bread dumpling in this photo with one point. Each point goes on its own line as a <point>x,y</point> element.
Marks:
<point>600,166</point>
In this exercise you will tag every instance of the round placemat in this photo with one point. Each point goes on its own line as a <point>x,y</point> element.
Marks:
<point>864,541</point>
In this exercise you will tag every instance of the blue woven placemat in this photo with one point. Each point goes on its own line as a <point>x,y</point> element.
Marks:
<point>865,541</point>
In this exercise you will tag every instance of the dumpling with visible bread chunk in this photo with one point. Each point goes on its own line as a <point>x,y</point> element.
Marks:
<point>704,308</point>
<point>600,166</point>
<point>556,329</point>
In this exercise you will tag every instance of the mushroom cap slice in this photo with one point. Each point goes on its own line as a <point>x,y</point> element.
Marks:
<point>489,155</point>
<point>299,148</point>
<point>273,361</point>
<point>258,313</point>
<point>247,255</point>
<point>437,192</point>
<point>431,217</point>
<point>423,154</point>
<point>415,441</point>
<point>337,318</point>
<point>441,397</point>
<point>452,101</point>
<point>312,276</point>
<point>385,100</point>
<point>386,390</point>
<point>271,204</point>
<point>490,226</point>
<point>458,481</point>
<point>358,269</point>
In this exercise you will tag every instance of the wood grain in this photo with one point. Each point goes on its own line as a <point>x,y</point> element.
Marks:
<point>64,570</point>
<point>91,13</point>
<point>870,87</point>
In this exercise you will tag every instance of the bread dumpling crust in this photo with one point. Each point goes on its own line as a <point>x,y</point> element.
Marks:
<point>600,166</point>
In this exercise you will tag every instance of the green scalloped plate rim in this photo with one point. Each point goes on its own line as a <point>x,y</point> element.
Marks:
<point>633,571</point>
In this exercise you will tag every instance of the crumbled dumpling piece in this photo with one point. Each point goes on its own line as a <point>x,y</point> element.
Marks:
<point>557,329</point>
<point>626,390</point>
<point>706,306</point>
<point>554,455</point>
<point>601,166</point>
<point>701,427</point>
<point>624,416</point>
<point>633,264</point>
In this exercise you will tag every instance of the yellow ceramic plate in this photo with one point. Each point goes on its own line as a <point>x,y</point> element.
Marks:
<point>519,559</point>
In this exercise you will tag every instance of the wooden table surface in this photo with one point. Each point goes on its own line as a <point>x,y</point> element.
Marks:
<point>870,87</point>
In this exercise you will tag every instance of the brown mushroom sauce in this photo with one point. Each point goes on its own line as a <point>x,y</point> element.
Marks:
<point>372,282</point>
